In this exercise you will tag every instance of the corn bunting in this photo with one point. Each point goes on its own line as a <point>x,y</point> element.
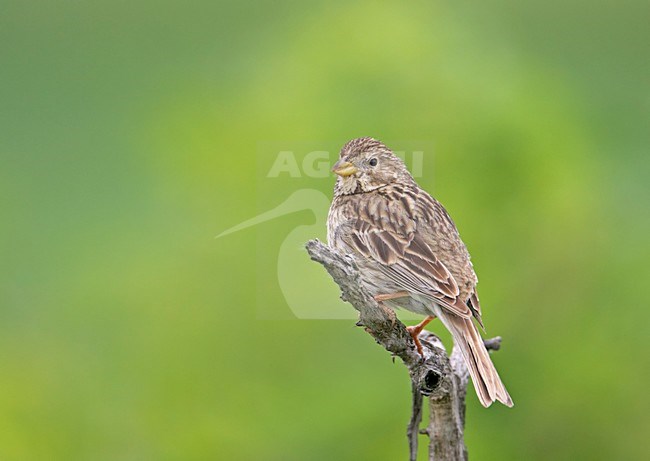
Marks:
<point>409,252</point>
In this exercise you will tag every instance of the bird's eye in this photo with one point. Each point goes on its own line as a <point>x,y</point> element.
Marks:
<point>373,162</point>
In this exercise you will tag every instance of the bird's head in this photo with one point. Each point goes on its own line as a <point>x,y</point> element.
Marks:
<point>366,164</point>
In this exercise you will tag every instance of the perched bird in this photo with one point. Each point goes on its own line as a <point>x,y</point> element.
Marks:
<point>409,252</point>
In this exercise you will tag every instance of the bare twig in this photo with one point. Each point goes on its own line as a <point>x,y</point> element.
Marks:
<point>413,429</point>
<point>443,379</point>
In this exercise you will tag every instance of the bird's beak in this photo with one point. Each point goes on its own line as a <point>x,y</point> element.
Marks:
<point>343,168</point>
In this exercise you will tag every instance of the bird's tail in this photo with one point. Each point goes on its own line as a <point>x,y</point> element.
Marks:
<point>486,380</point>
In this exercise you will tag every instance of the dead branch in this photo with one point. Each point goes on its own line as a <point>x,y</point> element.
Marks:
<point>441,378</point>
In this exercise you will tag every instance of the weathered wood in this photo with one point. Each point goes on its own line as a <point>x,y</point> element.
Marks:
<point>441,378</point>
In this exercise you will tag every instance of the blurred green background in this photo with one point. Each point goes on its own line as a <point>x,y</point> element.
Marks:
<point>129,137</point>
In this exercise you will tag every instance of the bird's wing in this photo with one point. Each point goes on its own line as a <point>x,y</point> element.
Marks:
<point>386,231</point>
<point>475,307</point>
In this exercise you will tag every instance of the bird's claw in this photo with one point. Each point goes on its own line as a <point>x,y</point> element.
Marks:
<point>414,331</point>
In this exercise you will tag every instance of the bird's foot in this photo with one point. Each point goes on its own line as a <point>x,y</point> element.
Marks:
<point>415,331</point>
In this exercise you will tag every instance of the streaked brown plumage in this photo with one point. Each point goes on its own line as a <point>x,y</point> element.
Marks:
<point>409,251</point>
